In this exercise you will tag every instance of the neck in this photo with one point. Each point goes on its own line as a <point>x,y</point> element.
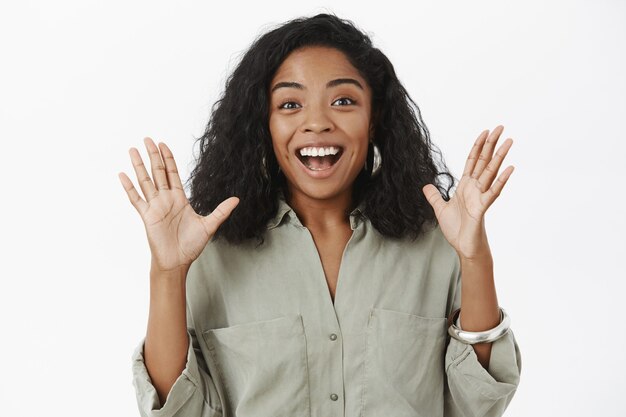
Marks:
<point>321,214</point>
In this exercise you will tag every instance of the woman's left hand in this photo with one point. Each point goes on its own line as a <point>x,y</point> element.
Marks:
<point>462,217</point>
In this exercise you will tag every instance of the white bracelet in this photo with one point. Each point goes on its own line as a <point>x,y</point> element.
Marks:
<point>485,336</point>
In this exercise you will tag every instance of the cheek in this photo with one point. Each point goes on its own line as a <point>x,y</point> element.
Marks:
<point>280,128</point>
<point>357,127</point>
<point>357,122</point>
<point>281,133</point>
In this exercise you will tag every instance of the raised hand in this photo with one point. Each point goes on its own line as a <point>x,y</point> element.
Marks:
<point>462,218</point>
<point>176,233</point>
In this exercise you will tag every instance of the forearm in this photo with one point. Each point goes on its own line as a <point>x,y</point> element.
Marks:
<point>166,344</point>
<point>479,302</point>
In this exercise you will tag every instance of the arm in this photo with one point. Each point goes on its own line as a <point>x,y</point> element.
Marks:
<point>481,380</point>
<point>479,303</point>
<point>473,388</point>
<point>167,379</point>
<point>166,342</point>
<point>192,391</point>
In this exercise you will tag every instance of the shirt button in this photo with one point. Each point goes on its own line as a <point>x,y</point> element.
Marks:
<point>333,336</point>
<point>334,397</point>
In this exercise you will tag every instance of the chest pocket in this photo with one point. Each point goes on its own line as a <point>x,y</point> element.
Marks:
<point>404,365</point>
<point>262,367</point>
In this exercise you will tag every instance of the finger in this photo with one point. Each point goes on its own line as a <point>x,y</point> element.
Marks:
<point>487,151</point>
<point>156,164</point>
<point>473,156</point>
<point>145,182</point>
<point>220,214</point>
<point>433,196</point>
<point>497,187</point>
<point>170,166</point>
<point>134,197</point>
<point>490,172</point>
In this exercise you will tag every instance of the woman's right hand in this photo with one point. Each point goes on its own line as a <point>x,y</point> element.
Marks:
<point>176,233</point>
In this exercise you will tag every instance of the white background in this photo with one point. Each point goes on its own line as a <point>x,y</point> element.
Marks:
<point>82,82</point>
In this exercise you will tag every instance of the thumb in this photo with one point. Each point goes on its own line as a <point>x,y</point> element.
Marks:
<point>433,196</point>
<point>220,214</point>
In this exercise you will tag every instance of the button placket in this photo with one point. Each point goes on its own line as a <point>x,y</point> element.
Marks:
<point>333,396</point>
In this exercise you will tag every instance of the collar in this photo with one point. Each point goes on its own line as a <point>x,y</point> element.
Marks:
<point>285,209</point>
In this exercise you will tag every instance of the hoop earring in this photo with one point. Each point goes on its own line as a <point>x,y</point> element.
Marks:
<point>264,170</point>
<point>377,159</point>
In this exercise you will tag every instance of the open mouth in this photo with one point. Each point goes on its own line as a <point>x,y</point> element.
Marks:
<point>319,159</point>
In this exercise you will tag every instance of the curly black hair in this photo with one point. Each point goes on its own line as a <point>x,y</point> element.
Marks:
<point>237,138</point>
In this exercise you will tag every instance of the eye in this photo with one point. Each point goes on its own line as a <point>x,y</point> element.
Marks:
<point>282,106</point>
<point>346,98</point>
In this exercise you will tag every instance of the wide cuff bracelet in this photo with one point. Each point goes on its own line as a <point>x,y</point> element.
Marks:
<point>485,336</point>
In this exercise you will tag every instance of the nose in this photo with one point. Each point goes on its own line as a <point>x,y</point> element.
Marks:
<point>317,121</point>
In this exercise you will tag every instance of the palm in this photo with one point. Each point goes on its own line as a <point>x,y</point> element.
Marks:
<point>176,233</point>
<point>462,217</point>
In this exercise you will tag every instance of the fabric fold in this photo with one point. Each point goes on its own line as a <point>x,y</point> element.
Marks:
<point>475,391</point>
<point>185,396</point>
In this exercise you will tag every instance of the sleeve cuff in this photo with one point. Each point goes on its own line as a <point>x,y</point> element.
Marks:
<point>182,390</point>
<point>466,375</point>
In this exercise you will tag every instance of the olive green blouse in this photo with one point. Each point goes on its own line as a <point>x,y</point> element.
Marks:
<point>268,341</point>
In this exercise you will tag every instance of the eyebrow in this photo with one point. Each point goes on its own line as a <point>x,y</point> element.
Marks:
<point>330,84</point>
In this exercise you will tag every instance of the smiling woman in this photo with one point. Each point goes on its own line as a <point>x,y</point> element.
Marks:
<point>316,268</point>
<point>316,82</point>
<point>327,112</point>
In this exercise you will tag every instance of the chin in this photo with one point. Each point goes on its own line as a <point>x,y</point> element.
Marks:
<point>320,190</point>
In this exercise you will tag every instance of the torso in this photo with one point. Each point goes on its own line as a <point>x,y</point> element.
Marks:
<point>330,247</point>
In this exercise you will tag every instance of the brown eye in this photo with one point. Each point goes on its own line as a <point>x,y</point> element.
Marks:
<point>282,106</point>
<point>346,98</point>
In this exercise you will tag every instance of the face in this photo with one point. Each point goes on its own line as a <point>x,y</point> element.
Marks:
<point>320,112</point>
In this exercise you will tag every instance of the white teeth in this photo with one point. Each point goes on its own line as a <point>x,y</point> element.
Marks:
<point>321,151</point>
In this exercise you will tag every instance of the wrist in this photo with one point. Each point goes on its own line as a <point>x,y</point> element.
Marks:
<point>478,258</point>
<point>157,266</point>
<point>159,275</point>
<point>166,287</point>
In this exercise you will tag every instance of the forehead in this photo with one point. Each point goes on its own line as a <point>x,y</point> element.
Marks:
<point>315,62</point>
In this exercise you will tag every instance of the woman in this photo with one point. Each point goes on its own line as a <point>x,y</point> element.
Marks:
<point>316,268</point>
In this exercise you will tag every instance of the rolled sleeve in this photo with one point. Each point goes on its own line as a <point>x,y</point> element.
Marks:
<point>186,397</point>
<point>475,391</point>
